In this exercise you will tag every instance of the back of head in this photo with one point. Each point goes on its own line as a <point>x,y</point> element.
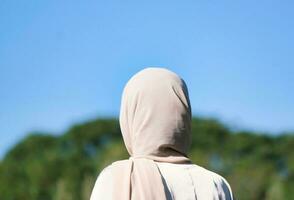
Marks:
<point>155,115</point>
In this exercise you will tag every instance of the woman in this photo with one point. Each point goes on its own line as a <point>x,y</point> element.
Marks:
<point>155,120</point>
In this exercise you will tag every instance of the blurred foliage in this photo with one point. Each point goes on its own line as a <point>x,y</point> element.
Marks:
<point>65,167</point>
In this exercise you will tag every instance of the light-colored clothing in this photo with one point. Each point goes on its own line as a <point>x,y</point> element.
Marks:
<point>181,182</point>
<point>155,120</point>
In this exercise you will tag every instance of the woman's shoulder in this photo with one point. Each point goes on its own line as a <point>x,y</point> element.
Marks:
<point>194,169</point>
<point>221,184</point>
<point>103,185</point>
<point>215,176</point>
<point>213,182</point>
<point>106,173</point>
<point>104,182</point>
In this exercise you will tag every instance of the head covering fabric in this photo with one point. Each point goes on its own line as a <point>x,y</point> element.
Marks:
<point>155,120</point>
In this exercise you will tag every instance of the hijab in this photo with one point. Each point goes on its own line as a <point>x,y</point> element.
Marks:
<point>155,121</point>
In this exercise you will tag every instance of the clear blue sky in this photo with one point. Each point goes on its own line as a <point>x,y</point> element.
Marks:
<point>67,61</point>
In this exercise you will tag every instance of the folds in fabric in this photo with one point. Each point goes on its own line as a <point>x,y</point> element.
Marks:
<point>138,179</point>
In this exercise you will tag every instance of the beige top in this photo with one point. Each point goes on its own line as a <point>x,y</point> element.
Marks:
<point>181,182</point>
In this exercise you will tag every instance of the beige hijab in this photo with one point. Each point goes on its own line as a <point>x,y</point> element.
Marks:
<point>155,120</point>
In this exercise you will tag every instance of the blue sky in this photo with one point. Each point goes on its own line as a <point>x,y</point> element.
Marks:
<point>63,62</point>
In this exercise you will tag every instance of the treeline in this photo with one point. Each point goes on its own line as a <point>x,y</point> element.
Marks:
<point>65,167</point>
